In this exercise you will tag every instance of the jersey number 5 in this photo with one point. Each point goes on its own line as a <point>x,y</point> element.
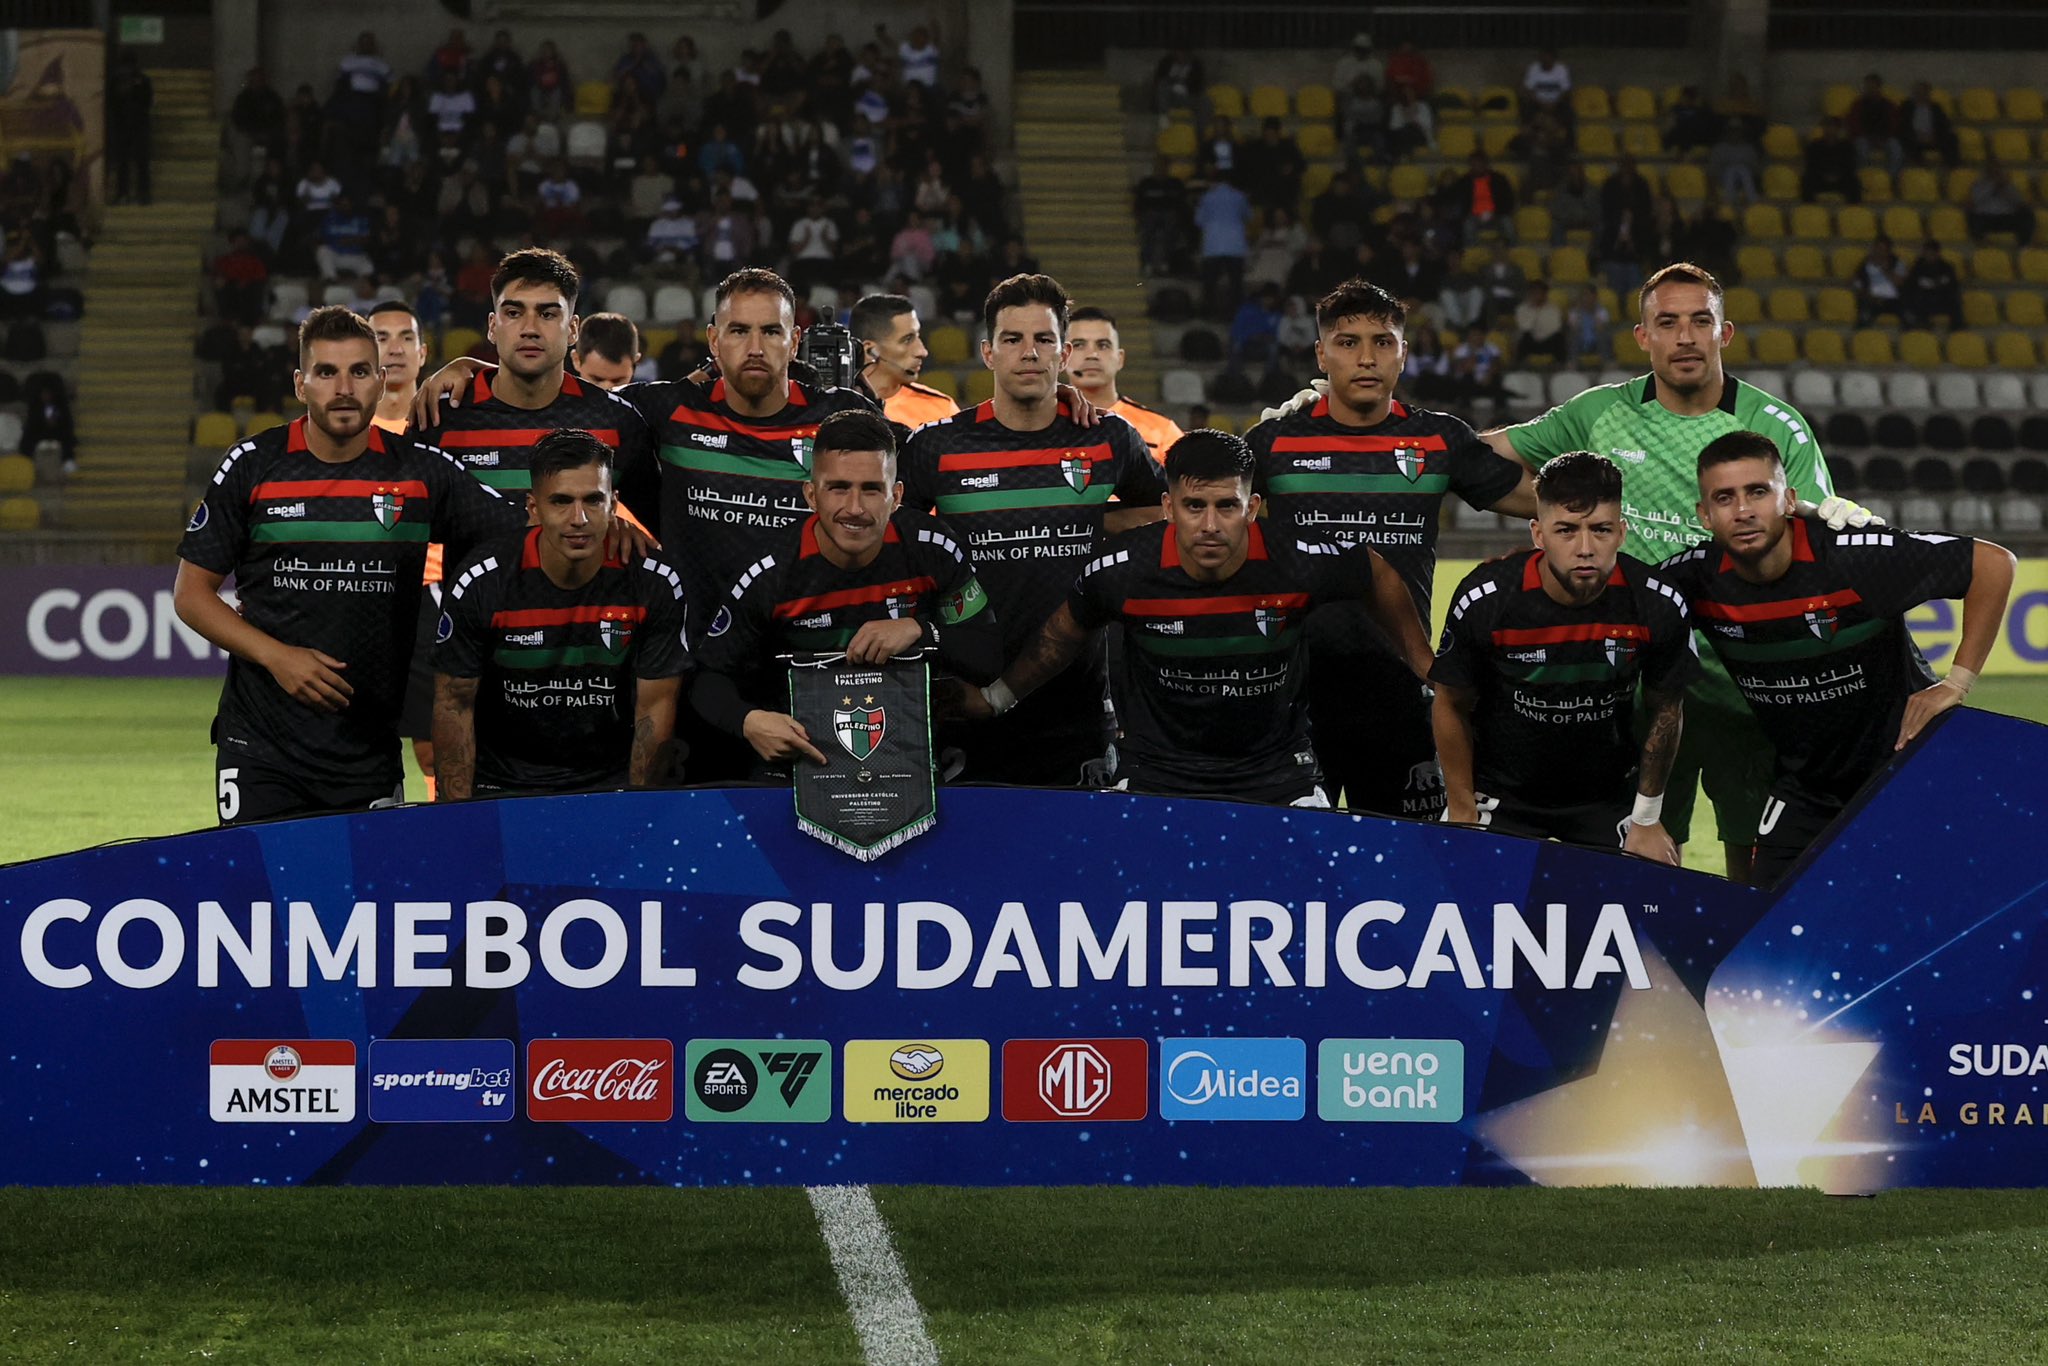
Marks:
<point>229,795</point>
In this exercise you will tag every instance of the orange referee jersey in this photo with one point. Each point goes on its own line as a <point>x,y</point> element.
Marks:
<point>916,404</point>
<point>1159,430</point>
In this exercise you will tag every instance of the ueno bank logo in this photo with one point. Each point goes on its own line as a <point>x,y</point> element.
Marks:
<point>600,1080</point>
<point>1224,1078</point>
<point>1049,1080</point>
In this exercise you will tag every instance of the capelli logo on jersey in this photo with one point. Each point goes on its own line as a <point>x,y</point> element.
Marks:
<point>713,440</point>
<point>488,459</point>
<point>814,623</point>
<point>527,638</point>
<point>1321,462</point>
<point>285,510</point>
<point>1528,656</point>
<point>1168,628</point>
<point>981,481</point>
<point>1633,457</point>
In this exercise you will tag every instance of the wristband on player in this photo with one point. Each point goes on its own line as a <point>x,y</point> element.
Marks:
<point>999,697</point>
<point>928,634</point>
<point>1964,679</point>
<point>1649,810</point>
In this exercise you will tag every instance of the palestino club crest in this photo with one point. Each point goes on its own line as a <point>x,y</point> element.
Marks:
<point>1074,469</point>
<point>614,631</point>
<point>860,729</point>
<point>1270,620</point>
<point>389,505</point>
<point>1822,622</point>
<point>800,449</point>
<point>1411,461</point>
<point>1620,653</point>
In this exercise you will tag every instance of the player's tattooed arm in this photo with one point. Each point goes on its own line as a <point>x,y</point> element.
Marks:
<point>654,723</point>
<point>1450,718</point>
<point>1643,833</point>
<point>1058,643</point>
<point>454,738</point>
<point>1991,575</point>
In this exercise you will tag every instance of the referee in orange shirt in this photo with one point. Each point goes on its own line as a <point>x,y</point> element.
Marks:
<point>1096,360</point>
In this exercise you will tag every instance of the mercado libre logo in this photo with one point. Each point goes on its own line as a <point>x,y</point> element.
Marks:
<point>917,1081</point>
<point>758,1081</point>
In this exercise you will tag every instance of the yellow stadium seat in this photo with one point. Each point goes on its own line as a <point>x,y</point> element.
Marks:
<point>1763,222</point>
<point>2044,144</point>
<point>1686,181</point>
<point>1227,101</point>
<point>1967,349</point>
<point>1782,143</point>
<point>1453,102</point>
<point>1268,102</point>
<point>20,514</point>
<point>1835,103</point>
<point>1970,143</point>
<point>1869,346</point>
<point>1532,223</point>
<point>2024,308</point>
<point>948,344</point>
<point>1788,305</point>
<point>1920,349</point>
<point>17,474</point>
<point>2023,105</point>
<point>1775,346</point>
<point>1590,102</point>
<point>1609,300</point>
<point>1960,179</point>
<point>1498,102</point>
<point>1755,262</point>
<point>1835,305</point>
<point>1568,266</point>
<point>1877,184</point>
<point>1317,140</point>
<point>1473,259</point>
<point>215,431</point>
<point>2012,145</point>
<point>1641,140</point>
<point>1742,305</point>
<point>1781,183</point>
<point>1902,225</point>
<point>1812,223</point>
<point>593,99</point>
<point>2015,351</point>
<point>1408,181</point>
<point>1530,260</point>
<point>460,341</point>
<point>1945,223</point>
<point>942,380</point>
<point>1183,168</point>
<point>2034,265</point>
<point>1315,102</point>
<point>1737,351</point>
<point>262,422</point>
<point>1918,186</point>
<point>1316,179</point>
<point>1627,349</point>
<point>1175,140</point>
<point>1597,140</point>
<point>1634,102</point>
<point>1456,141</point>
<point>1823,347</point>
<point>1992,265</point>
<point>1222,422</point>
<point>1855,224</point>
<point>1494,139</point>
<point>1980,308</point>
<point>1844,262</point>
<point>1978,105</point>
<point>979,388</point>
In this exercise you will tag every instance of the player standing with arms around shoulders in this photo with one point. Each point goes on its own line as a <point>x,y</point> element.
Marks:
<point>1537,673</point>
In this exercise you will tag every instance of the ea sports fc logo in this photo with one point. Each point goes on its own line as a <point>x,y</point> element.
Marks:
<point>860,729</point>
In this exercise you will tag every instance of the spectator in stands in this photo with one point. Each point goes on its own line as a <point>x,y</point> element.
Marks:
<point>917,57</point>
<point>1362,118</point>
<point>1341,214</point>
<point>1627,226</point>
<point>1320,269</point>
<point>317,190</point>
<point>1710,238</point>
<point>1280,244</point>
<point>1411,122</point>
<point>344,241</point>
<point>1692,124</point>
<point>1417,275</point>
<point>270,205</point>
<point>453,109</point>
<point>241,282</point>
<point>246,371</point>
<point>1997,204</point>
<point>1668,229</point>
<point>1539,325</point>
<point>912,253</point>
<point>1574,205</point>
<point>548,82</point>
<point>1547,88</point>
<point>1485,200</point>
<point>1161,203</point>
<point>1544,147</point>
<point>364,72</point>
<point>1735,166</point>
<point>1216,157</point>
<point>453,56</point>
<point>397,246</point>
<point>1586,326</point>
<point>1255,331</point>
<point>1358,60</point>
<point>405,137</point>
<point>561,202</point>
<point>1179,82</point>
<point>502,60</point>
<point>1738,107</point>
<point>1876,283</point>
<point>1925,128</point>
<point>1273,168</point>
<point>1504,283</point>
<point>305,129</point>
<point>1874,125</point>
<point>496,103</point>
<point>672,236</point>
<point>783,70</point>
<point>1296,337</point>
<point>1831,165</point>
<point>1222,217</point>
<point>813,248</point>
<point>1462,299</point>
<point>47,417</point>
<point>129,97</point>
<point>256,123</point>
<point>1426,374</point>
<point>1475,370</point>
<point>1931,288</point>
<point>831,81</point>
<point>1410,68</point>
<point>638,67</point>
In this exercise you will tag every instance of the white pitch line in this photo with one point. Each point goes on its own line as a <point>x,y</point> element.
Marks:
<point>871,1277</point>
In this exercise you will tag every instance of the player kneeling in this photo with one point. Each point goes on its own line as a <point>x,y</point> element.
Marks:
<point>1537,673</point>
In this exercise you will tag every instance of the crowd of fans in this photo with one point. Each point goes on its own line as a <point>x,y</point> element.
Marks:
<point>842,167</point>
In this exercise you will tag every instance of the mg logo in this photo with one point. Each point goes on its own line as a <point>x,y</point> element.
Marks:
<point>1074,1080</point>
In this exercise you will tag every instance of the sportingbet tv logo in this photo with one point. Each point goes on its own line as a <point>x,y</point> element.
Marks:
<point>758,1081</point>
<point>581,1081</point>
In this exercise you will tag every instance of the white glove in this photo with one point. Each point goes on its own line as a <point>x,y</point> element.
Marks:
<point>1317,389</point>
<point>1843,514</point>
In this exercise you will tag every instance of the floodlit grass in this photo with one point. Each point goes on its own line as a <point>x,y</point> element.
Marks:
<point>89,761</point>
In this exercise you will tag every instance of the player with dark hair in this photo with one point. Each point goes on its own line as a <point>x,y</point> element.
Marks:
<point>1361,467</point>
<point>1095,357</point>
<point>1537,672</point>
<point>558,665</point>
<point>1212,607</point>
<point>860,576</point>
<point>324,523</point>
<point>1652,427</point>
<point>892,357</point>
<point>607,350</point>
<point>1031,488</point>
<point>401,352</point>
<point>1809,622</point>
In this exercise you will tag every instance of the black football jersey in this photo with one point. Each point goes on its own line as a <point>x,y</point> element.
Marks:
<point>1822,655</point>
<point>555,704</point>
<point>330,556</point>
<point>1556,684</point>
<point>1208,681</point>
<point>494,440</point>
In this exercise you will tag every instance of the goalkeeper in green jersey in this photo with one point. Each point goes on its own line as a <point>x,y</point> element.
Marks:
<point>1653,427</point>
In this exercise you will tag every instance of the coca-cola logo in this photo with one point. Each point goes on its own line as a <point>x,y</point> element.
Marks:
<point>600,1080</point>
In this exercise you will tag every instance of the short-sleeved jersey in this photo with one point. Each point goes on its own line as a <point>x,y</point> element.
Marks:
<point>329,556</point>
<point>915,404</point>
<point>726,484</point>
<point>1030,504</point>
<point>793,600</point>
<point>1822,655</point>
<point>557,666</point>
<point>1555,685</point>
<point>1381,486</point>
<point>1159,430</point>
<point>1208,682</point>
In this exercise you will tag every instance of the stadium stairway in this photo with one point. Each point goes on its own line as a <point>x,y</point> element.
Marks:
<point>1073,176</point>
<point>134,401</point>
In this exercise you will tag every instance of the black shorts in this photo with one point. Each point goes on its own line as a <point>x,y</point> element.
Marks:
<point>416,713</point>
<point>246,790</point>
<point>1045,742</point>
<point>1597,825</point>
<point>1370,723</point>
<point>1785,830</point>
<point>614,783</point>
<point>1282,783</point>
